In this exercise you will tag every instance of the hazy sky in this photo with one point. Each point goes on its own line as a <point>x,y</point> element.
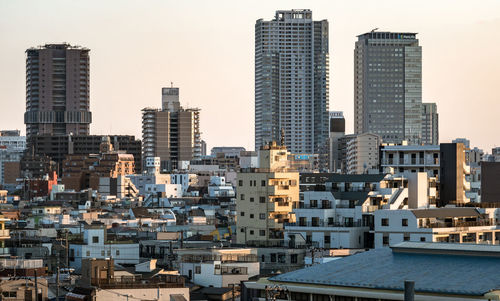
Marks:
<point>207,49</point>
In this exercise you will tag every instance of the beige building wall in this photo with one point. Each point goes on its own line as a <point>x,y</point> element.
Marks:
<point>266,197</point>
<point>363,153</point>
<point>160,294</point>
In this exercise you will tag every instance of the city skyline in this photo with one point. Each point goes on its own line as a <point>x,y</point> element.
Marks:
<point>459,79</point>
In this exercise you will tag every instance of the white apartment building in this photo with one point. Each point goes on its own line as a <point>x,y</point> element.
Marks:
<point>362,153</point>
<point>453,224</point>
<point>96,245</point>
<point>411,158</point>
<point>217,267</point>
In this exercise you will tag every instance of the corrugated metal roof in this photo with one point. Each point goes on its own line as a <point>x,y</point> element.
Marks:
<point>387,270</point>
<point>446,212</point>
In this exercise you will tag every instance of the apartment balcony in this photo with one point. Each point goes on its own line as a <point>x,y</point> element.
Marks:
<point>231,270</point>
<point>323,223</point>
<point>459,224</point>
<point>128,282</point>
<point>4,234</point>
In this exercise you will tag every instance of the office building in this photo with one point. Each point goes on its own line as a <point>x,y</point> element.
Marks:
<point>57,90</point>
<point>266,197</point>
<point>12,146</point>
<point>336,131</point>
<point>292,81</point>
<point>172,133</point>
<point>430,124</point>
<point>388,86</point>
<point>490,190</point>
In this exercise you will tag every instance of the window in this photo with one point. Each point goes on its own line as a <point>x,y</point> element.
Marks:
<point>262,232</point>
<point>109,252</point>
<point>263,258</point>
<point>242,213</point>
<point>197,270</point>
<point>385,240</point>
<point>88,253</point>
<point>263,183</point>
<point>117,252</point>
<point>242,197</point>
<point>95,239</point>
<point>262,216</point>
<point>240,183</point>
<point>327,239</point>
<point>102,253</point>
<point>273,257</point>
<point>251,200</point>
<point>385,222</point>
<point>262,199</point>
<point>422,238</point>
<point>242,230</point>
<point>406,237</point>
<point>294,258</point>
<point>251,232</point>
<point>314,203</point>
<point>404,222</point>
<point>251,215</point>
<point>282,258</point>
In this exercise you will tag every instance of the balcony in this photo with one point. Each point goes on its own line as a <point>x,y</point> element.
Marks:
<point>459,224</point>
<point>230,270</point>
<point>128,282</point>
<point>4,234</point>
<point>322,223</point>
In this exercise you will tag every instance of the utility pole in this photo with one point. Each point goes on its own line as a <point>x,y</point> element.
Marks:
<point>67,250</point>
<point>36,287</point>
<point>57,280</point>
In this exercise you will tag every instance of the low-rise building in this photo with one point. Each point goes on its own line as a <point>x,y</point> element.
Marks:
<point>217,267</point>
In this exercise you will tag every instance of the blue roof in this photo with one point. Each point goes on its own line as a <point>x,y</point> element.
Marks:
<point>384,269</point>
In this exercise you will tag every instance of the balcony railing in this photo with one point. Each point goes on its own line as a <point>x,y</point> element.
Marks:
<point>322,223</point>
<point>127,282</point>
<point>230,270</point>
<point>459,224</point>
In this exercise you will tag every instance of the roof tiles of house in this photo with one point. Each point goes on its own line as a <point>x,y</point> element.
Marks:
<point>470,271</point>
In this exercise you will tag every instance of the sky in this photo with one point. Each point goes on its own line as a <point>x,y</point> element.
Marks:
<point>206,48</point>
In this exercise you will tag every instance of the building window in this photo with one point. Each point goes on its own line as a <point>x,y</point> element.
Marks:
<point>385,240</point>
<point>242,213</point>
<point>240,183</point>
<point>406,237</point>
<point>263,258</point>
<point>95,239</point>
<point>242,197</point>
<point>314,203</point>
<point>273,257</point>
<point>404,222</point>
<point>262,232</point>
<point>88,253</point>
<point>262,199</point>
<point>109,252</point>
<point>251,215</point>
<point>251,200</point>
<point>102,253</point>
<point>197,270</point>
<point>262,216</point>
<point>251,232</point>
<point>263,183</point>
<point>385,222</point>
<point>117,252</point>
<point>294,258</point>
<point>242,230</point>
<point>327,239</point>
<point>422,238</point>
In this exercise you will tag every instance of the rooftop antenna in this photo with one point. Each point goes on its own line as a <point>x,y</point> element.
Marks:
<point>373,30</point>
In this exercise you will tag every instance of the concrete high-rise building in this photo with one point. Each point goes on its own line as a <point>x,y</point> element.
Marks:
<point>292,81</point>
<point>362,153</point>
<point>337,130</point>
<point>266,197</point>
<point>57,90</point>
<point>172,133</point>
<point>388,86</point>
<point>430,124</point>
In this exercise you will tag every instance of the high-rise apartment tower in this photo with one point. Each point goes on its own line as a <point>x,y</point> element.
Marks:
<point>430,124</point>
<point>57,90</point>
<point>291,81</point>
<point>388,86</point>
<point>172,133</point>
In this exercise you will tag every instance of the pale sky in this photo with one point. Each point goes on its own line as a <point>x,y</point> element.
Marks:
<point>207,49</point>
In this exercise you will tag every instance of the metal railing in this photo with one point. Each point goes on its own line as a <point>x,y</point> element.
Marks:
<point>163,281</point>
<point>322,223</point>
<point>459,224</point>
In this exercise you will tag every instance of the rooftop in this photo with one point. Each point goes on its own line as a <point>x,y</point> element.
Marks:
<point>442,268</point>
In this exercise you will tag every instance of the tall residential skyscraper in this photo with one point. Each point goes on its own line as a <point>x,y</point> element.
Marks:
<point>388,86</point>
<point>57,90</point>
<point>292,81</point>
<point>171,133</point>
<point>430,124</point>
